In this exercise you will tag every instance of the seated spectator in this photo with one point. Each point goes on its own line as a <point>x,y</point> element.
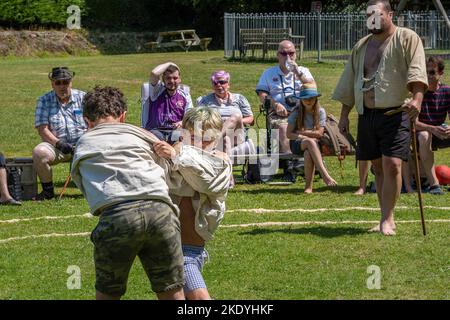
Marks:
<point>59,121</point>
<point>305,128</point>
<point>282,84</point>
<point>164,102</point>
<point>234,109</point>
<point>5,197</point>
<point>432,132</point>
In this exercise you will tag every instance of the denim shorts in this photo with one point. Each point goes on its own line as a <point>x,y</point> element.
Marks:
<point>194,259</point>
<point>149,229</point>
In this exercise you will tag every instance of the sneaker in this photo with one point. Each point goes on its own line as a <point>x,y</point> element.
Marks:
<point>290,165</point>
<point>289,176</point>
<point>435,190</point>
<point>44,196</point>
<point>11,202</point>
<point>299,166</point>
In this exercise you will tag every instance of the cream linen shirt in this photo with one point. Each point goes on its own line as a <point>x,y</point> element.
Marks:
<point>402,63</point>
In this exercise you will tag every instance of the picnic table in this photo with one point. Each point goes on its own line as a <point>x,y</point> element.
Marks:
<point>184,39</point>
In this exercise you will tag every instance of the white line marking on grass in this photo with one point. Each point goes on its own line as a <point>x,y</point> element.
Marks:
<point>256,210</point>
<point>246,225</point>
<point>290,223</point>
<point>86,215</point>
<point>263,210</point>
<point>50,235</point>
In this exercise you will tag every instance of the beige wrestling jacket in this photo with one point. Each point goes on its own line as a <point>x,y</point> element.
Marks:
<point>205,177</point>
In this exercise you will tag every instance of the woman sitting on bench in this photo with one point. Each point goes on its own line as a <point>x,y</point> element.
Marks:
<point>305,127</point>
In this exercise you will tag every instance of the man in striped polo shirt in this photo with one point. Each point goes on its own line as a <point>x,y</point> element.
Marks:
<point>432,133</point>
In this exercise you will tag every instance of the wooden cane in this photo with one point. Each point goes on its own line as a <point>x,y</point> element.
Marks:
<point>65,186</point>
<point>417,173</point>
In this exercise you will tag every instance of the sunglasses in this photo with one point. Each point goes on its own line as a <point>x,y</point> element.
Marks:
<point>62,82</point>
<point>431,72</point>
<point>222,82</point>
<point>285,54</point>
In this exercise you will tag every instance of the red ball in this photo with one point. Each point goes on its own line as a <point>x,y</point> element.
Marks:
<point>443,174</point>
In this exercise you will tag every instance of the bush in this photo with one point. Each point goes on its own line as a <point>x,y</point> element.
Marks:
<point>25,13</point>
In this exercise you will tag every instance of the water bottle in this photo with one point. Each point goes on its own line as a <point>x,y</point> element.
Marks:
<point>289,65</point>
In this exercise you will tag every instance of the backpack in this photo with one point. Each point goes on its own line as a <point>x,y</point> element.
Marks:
<point>14,176</point>
<point>262,171</point>
<point>334,142</point>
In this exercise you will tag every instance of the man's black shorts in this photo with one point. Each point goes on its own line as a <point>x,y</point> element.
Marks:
<point>2,161</point>
<point>437,143</point>
<point>379,134</point>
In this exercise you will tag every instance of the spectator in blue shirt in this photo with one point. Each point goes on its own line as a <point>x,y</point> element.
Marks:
<point>59,122</point>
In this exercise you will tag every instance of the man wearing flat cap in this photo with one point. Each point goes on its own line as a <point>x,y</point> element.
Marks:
<point>59,122</point>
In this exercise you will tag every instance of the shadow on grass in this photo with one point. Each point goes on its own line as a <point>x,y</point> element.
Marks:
<point>322,231</point>
<point>293,189</point>
<point>70,196</point>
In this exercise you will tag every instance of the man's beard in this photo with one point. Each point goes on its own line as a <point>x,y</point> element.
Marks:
<point>172,90</point>
<point>376,31</point>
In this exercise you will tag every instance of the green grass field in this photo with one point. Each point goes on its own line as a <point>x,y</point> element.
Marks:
<point>283,252</point>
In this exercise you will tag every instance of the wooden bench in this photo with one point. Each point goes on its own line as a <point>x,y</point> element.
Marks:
<point>184,39</point>
<point>267,39</point>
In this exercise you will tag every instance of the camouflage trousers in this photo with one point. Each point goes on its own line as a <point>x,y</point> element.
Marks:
<point>148,229</point>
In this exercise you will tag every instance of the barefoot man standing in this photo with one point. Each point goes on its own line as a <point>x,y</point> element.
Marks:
<point>386,70</point>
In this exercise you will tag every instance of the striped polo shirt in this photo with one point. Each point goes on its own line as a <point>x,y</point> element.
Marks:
<point>435,106</point>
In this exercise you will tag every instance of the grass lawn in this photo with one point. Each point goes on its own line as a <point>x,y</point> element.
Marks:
<point>283,252</point>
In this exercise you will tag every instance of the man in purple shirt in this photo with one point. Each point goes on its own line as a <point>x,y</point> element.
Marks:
<point>168,101</point>
<point>432,132</point>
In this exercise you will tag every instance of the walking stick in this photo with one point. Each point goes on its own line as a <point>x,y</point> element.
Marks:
<point>417,173</point>
<point>65,186</point>
<point>69,177</point>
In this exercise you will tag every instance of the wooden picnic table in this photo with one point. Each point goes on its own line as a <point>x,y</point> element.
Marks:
<point>184,39</point>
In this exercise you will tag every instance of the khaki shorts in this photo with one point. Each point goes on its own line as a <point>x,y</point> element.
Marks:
<point>276,120</point>
<point>149,229</point>
<point>57,155</point>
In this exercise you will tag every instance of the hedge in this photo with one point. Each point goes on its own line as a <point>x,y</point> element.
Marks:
<point>25,13</point>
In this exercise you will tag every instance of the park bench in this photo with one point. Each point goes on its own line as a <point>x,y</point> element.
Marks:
<point>184,39</point>
<point>266,39</point>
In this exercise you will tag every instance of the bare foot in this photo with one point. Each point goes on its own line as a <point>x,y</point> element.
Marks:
<point>308,190</point>
<point>329,181</point>
<point>377,227</point>
<point>387,229</point>
<point>360,192</point>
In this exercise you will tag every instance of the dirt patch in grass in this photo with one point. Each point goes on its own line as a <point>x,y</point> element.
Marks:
<point>36,43</point>
<point>26,43</point>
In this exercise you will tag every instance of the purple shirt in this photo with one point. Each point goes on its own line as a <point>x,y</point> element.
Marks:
<point>163,110</point>
<point>166,110</point>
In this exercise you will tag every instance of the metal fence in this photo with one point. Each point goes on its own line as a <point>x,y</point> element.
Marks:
<point>329,36</point>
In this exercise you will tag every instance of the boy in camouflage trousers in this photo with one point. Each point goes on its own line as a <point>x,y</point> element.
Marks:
<point>114,165</point>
